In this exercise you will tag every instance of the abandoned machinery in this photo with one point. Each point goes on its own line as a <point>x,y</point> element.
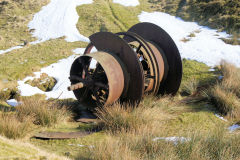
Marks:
<point>126,65</point>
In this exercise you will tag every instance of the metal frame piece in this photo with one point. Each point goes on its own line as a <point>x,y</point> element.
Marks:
<point>161,39</point>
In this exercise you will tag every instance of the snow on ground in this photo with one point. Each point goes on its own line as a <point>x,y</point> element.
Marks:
<point>57,19</point>
<point>220,117</point>
<point>80,145</point>
<point>206,47</point>
<point>13,102</point>
<point>234,127</point>
<point>175,140</point>
<point>10,49</point>
<point>127,2</point>
<point>60,71</point>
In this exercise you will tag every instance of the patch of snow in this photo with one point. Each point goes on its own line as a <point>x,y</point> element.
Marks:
<point>60,71</point>
<point>10,49</point>
<point>220,77</point>
<point>5,89</point>
<point>18,47</point>
<point>58,19</point>
<point>220,117</point>
<point>127,2</point>
<point>13,102</point>
<point>78,50</point>
<point>175,140</point>
<point>36,42</point>
<point>80,145</point>
<point>204,47</point>
<point>234,127</point>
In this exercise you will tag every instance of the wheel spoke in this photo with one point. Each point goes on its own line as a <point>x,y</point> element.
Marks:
<point>139,48</point>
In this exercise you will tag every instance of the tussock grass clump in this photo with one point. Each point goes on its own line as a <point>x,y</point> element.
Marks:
<point>215,145</point>
<point>190,87</point>
<point>12,127</point>
<point>226,94</point>
<point>44,113</point>
<point>227,102</point>
<point>127,118</point>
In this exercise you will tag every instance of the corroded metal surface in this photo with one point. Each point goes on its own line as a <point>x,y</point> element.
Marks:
<point>61,135</point>
<point>158,36</point>
<point>106,79</point>
<point>134,83</point>
<point>144,60</point>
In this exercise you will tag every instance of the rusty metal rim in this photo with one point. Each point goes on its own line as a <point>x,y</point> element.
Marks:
<point>113,44</point>
<point>150,53</point>
<point>161,38</point>
<point>113,72</point>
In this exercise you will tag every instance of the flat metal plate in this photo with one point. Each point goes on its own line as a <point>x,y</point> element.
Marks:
<point>61,135</point>
<point>111,43</point>
<point>153,33</point>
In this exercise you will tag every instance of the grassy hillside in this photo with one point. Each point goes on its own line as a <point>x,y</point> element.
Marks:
<point>220,14</point>
<point>126,132</point>
<point>103,15</point>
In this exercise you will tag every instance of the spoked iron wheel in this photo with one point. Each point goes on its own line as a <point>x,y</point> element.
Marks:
<point>143,60</point>
<point>150,58</point>
<point>96,84</point>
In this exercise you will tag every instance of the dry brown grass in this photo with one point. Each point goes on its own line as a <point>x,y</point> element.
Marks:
<point>12,127</point>
<point>226,94</point>
<point>189,87</point>
<point>130,146</point>
<point>32,112</point>
<point>44,113</point>
<point>127,118</point>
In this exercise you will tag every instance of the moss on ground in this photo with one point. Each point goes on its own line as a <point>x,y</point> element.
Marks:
<point>44,82</point>
<point>196,70</point>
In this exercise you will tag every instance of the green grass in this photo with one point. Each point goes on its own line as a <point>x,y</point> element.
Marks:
<point>103,15</point>
<point>69,147</point>
<point>23,62</point>
<point>219,14</point>
<point>20,63</point>
<point>196,70</point>
<point>165,116</point>
<point>14,18</point>
<point>12,149</point>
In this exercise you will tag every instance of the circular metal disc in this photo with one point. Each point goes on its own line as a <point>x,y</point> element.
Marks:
<point>112,70</point>
<point>158,36</point>
<point>111,43</point>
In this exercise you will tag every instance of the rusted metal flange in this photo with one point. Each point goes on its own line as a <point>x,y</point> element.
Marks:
<point>133,72</point>
<point>151,61</point>
<point>103,84</point>
<point>144,60</point>
<point>61,135</point>
<point>161,40</point>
